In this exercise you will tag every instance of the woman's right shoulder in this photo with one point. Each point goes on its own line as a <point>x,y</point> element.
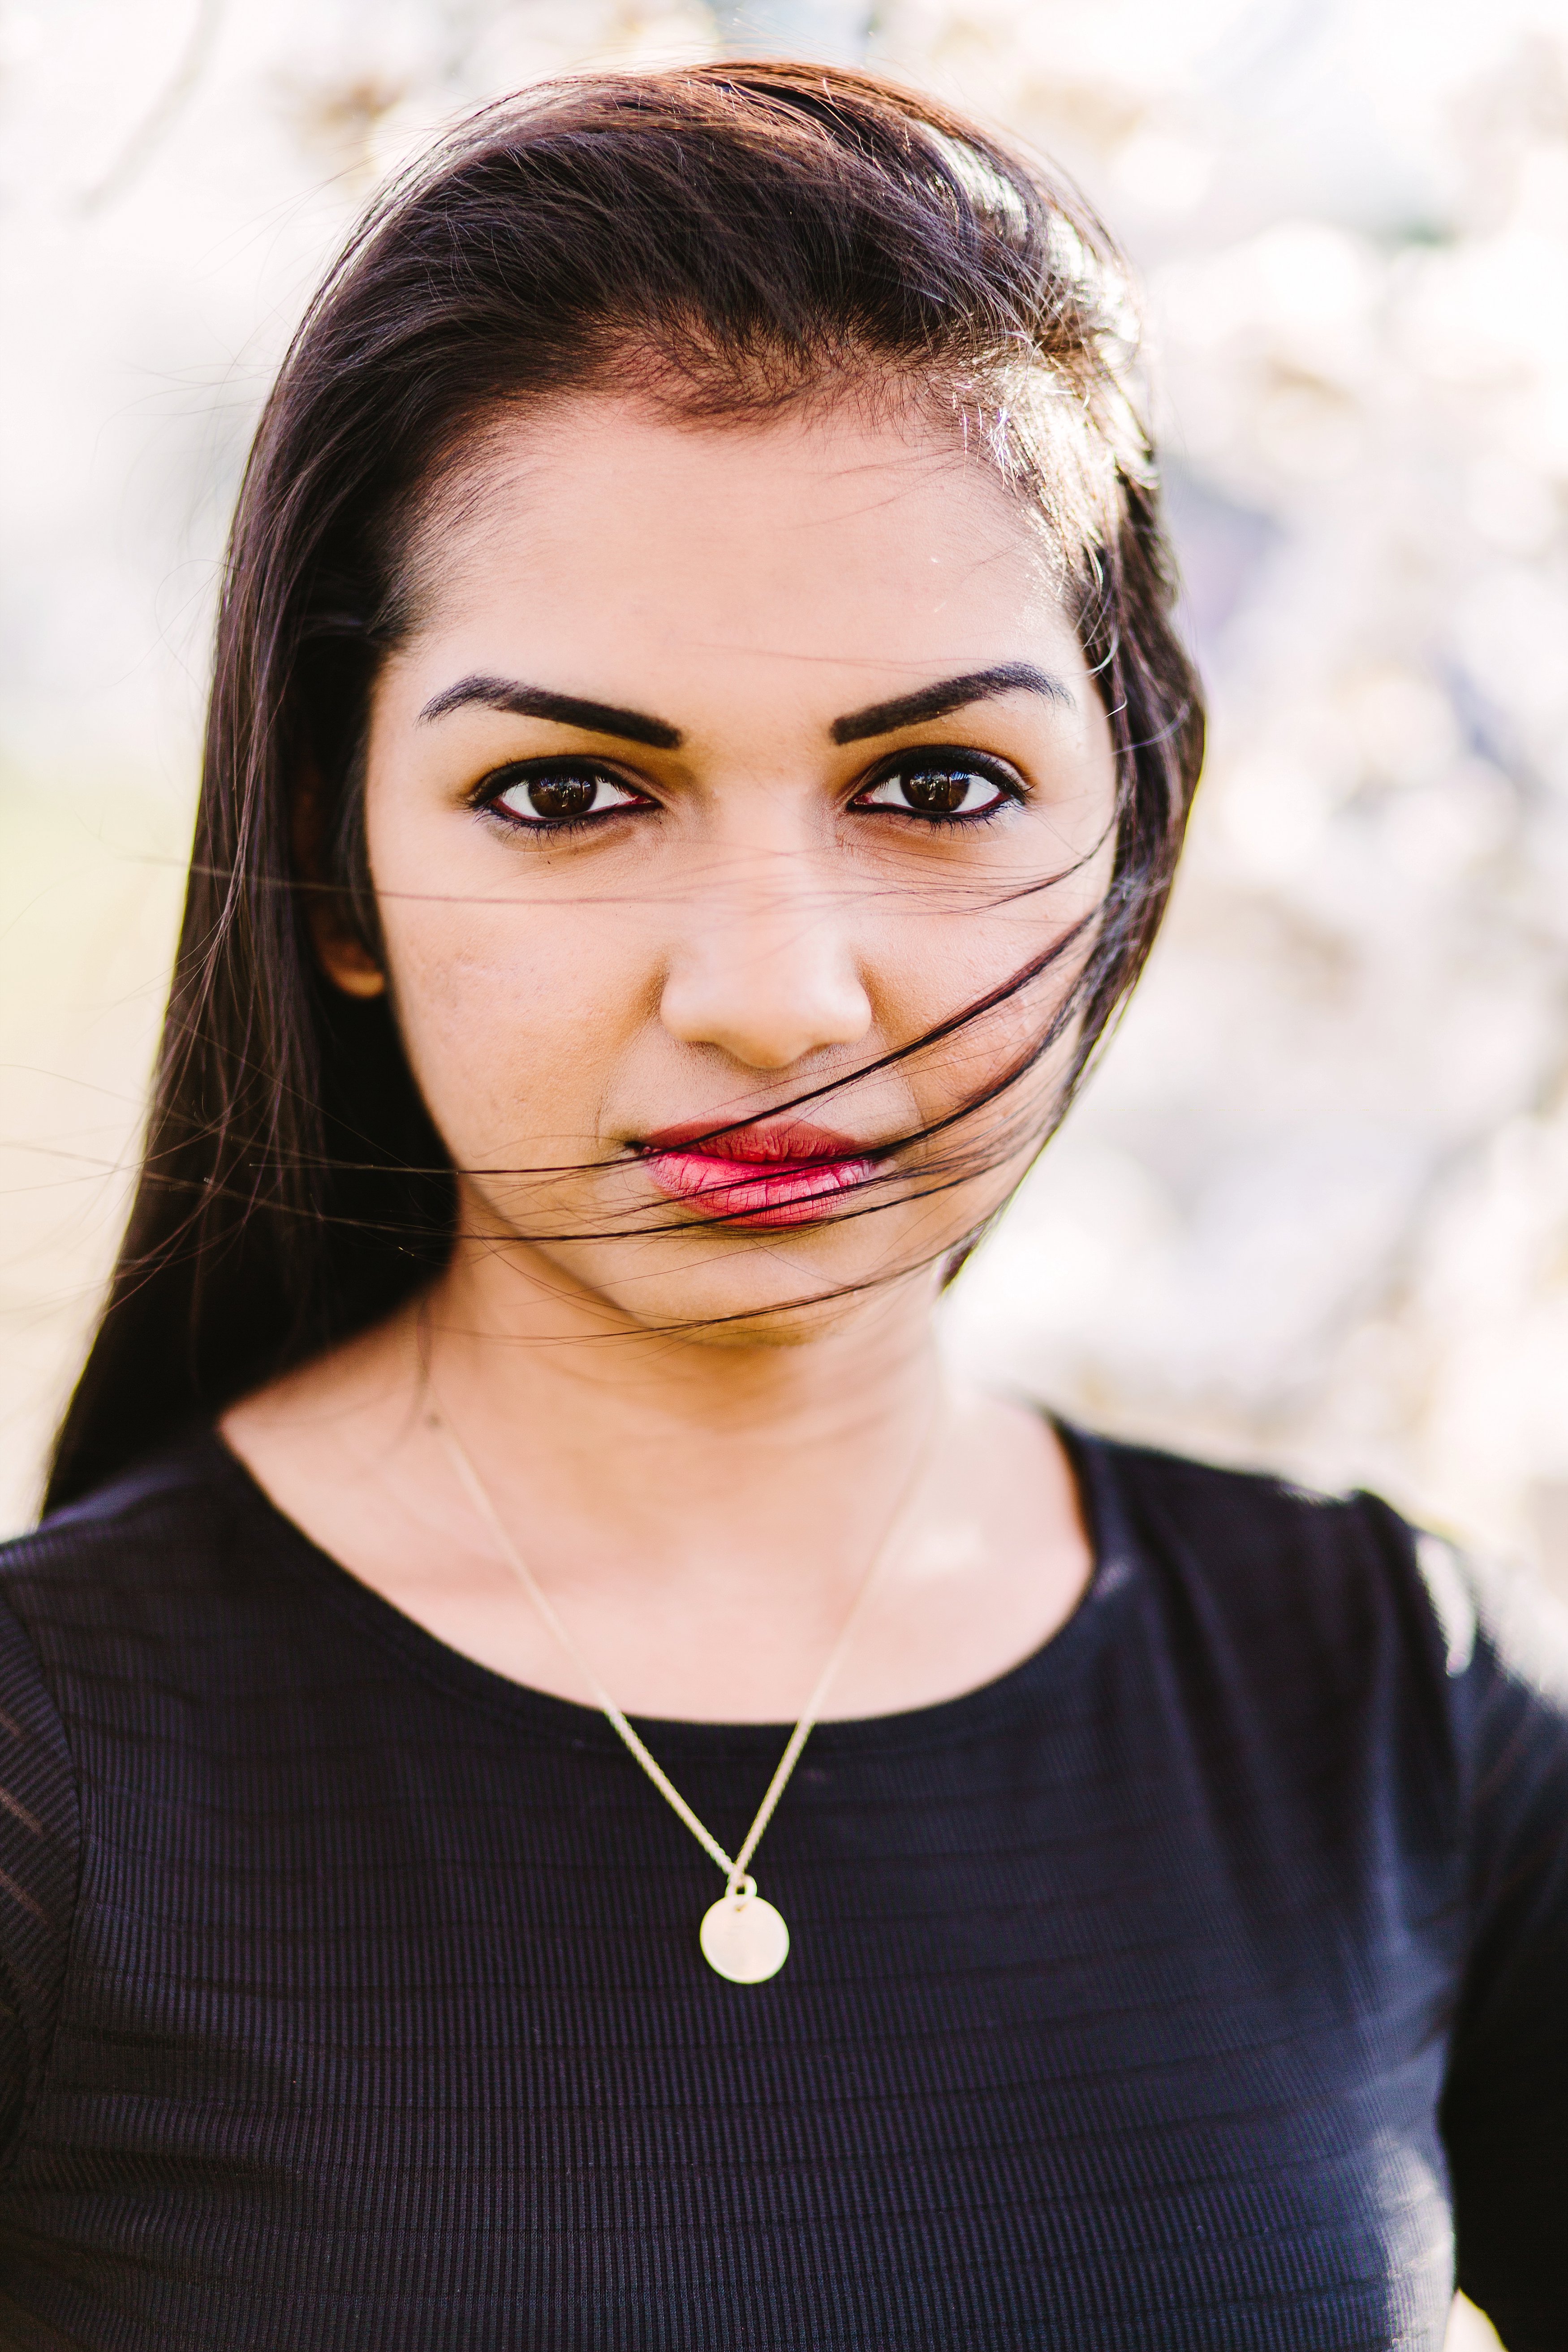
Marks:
<point>147,1556</point>
<point>130,1522</point>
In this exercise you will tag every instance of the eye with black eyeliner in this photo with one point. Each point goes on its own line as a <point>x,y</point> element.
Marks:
<point>557,796</point>
<point>940,784</point>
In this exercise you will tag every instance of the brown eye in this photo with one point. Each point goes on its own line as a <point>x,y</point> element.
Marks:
<point>563,796</point>
<point>938,790</point>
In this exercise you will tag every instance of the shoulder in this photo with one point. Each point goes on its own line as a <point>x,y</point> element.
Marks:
<point>1339,1595</point>
<point>1322,1608</point>
<point>1254,1532</point>
<point>183,1477</point>
<point>1255,1537</point>
<point>153,1516</point>
<point>157,1581</point>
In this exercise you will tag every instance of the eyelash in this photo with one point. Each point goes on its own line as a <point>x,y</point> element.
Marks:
<point>487,795</point>
<point>952,759</point>
<point>930,758</point>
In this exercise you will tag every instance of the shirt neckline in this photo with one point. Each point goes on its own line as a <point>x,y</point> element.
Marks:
<point>941,1723</point>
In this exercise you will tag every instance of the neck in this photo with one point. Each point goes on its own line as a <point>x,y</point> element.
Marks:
<point>703,1515</point>
<point>700,1453</point>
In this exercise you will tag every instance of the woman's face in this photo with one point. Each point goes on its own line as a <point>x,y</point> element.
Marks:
<point>722,763</point>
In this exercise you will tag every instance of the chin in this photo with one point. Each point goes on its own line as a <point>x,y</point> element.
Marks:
<point>733,1287</point>
<point>798,1324</point>
<point>749,1293</point>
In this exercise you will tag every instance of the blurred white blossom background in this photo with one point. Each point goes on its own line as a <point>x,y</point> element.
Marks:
<point>1314,1210</point>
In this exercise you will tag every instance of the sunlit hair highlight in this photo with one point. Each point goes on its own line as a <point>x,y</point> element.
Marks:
<point>733,240</point>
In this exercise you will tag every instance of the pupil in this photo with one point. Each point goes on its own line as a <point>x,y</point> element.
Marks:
<point>938,791</point>
<point>562,796</point>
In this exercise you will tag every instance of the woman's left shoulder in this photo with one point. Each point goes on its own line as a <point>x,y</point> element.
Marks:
<point>1327,1577</point>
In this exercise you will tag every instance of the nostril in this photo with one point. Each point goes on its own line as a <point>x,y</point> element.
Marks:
<point>767,1016</point>
<point>767,1036</point>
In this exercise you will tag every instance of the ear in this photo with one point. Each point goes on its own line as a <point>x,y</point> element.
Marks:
<point>346,960</point>
<point>341,952</point>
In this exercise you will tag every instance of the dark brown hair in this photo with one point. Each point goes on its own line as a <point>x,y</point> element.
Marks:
<point>740,236</point>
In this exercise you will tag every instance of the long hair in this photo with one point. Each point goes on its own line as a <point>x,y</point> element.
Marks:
<point>738,238</point>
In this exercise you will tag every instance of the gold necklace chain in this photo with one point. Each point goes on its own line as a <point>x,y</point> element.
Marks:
<point>744,1937</point>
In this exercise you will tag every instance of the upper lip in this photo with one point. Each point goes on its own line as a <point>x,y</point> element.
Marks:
<point>795,1142</point>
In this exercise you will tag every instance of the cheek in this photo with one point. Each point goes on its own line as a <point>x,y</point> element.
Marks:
<point>970,946</point>
<point>953,942</point>
<point>510,1020</point>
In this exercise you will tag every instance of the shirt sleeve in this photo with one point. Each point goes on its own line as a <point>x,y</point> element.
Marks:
<point>1505,2106</point>
<point>40,1855</point>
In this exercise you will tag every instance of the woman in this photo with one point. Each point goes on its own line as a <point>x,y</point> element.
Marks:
<point>696,758</point>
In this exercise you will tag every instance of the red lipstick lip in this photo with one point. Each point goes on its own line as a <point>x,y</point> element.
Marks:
<point>784,1173</point>
<point>797,1140</point>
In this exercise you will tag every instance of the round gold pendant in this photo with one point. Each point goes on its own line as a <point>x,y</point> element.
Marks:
<point>745,1938</point>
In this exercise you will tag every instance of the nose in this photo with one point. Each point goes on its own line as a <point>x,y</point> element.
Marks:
<point>764,970</point>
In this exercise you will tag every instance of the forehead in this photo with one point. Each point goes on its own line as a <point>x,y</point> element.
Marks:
<point>827,541</point>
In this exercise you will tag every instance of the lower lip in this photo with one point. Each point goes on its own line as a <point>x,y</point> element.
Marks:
<point>755,1192</point>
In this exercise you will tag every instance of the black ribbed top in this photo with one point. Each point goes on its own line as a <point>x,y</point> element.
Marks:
<point>354,1999</point>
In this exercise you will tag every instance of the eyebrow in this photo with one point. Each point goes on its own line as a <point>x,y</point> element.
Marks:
<point>926,702</point>
<point>951,694</point>
<point>568,710</point>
